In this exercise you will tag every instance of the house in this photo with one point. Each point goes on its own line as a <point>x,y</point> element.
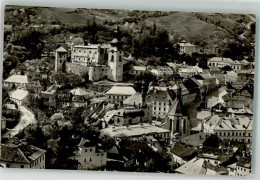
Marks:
<point>137,70</point>
<point>243,167</point>
<point>232,76</point>
<point>115,160</point>
<point>181,154</point>
<point>124,116</point>
<point>196,166</point>
<point>138,101</point>
<point>138,154</point>
<point>16,154</point>
<point>79,96</point>
<point>208,81</point>
<point>117,94</point>
<point>186,48</point>
<point>16,80</point>
<point>50,93</point>
<point>137,131</point>
<point>220,62</point>
<point>244,76</point>
<point>188,72</point>
<point>34,87</point>
<point>195,140</point>
<point>221,78</point>
<point>89,155</point>
<point>161,71</point>
<point>19,96</point>
<point>215,70</point>
<point>236,129</point>
<point>161,100</point>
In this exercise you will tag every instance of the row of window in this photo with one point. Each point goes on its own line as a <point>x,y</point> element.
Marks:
<point>232,134</point>
<point>95,52</point>
<point>160,113</point>
<point>163,109</point>
<point>159,103</point>
<point>85,59</point>
<point>243,169</point>
<point>117,97</point>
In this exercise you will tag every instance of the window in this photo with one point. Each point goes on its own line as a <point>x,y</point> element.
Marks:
<point>86,150</point>
<point>22,166</point>
<point>90,150</point>
<point>112,58</point>
<point>7,165</point>
<point>97,154</point>
<point>90,159</point>
<point>102,154</point>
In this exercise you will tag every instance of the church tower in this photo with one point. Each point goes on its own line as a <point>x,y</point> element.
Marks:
<point>115,59</point>
<point>61,56</point>
<point>177,119</point>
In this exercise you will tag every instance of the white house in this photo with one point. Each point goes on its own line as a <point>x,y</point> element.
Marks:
<point>17,80</point>
<point>117,94</point>
<point>89,156</point>
<point>186,48</point>
<point>19,96</point>
<point>15,154</point>
<point>137,70</point>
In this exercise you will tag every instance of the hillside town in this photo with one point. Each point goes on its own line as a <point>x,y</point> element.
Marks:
<point>90,105</point>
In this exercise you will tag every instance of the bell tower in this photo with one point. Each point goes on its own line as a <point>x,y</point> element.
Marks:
<point>115,59</point>
<point>61,56</point>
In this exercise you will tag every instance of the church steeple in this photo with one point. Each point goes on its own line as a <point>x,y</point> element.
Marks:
<point>116,40</point>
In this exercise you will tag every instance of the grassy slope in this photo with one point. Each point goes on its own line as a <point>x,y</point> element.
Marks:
<point>184,24</point>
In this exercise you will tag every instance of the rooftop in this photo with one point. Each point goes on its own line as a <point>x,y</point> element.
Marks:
<point>133,130</point>
<point>18,94</point>
<point>18,152</point>
<point>17,79</point>
<point>61,49</point>
<point>79,92</point>
<point>121,90</point>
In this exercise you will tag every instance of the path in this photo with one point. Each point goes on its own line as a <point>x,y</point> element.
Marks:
<point>27,118</point>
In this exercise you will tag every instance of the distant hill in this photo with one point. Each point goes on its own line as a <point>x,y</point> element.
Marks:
<point>212,29</point>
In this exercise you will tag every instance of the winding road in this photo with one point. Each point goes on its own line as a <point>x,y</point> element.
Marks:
<point>27,118</point>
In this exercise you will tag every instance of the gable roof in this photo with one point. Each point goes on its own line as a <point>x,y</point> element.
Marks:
<point>195,166</point>
<point>61,49</point>
<point>134,100</point>
<point>195,139</point>
<point>17,79</point>
<point>139,68</point>
<point>79,92</point>
<point>18,94</point>
<point>183,152</point>
<point>121,90</point>
<point>17,152</point>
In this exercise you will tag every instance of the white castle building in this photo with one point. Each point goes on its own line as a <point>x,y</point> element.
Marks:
<point>99,61</point>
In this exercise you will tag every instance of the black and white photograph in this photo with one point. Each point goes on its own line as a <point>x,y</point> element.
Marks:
<point>128,90</point>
